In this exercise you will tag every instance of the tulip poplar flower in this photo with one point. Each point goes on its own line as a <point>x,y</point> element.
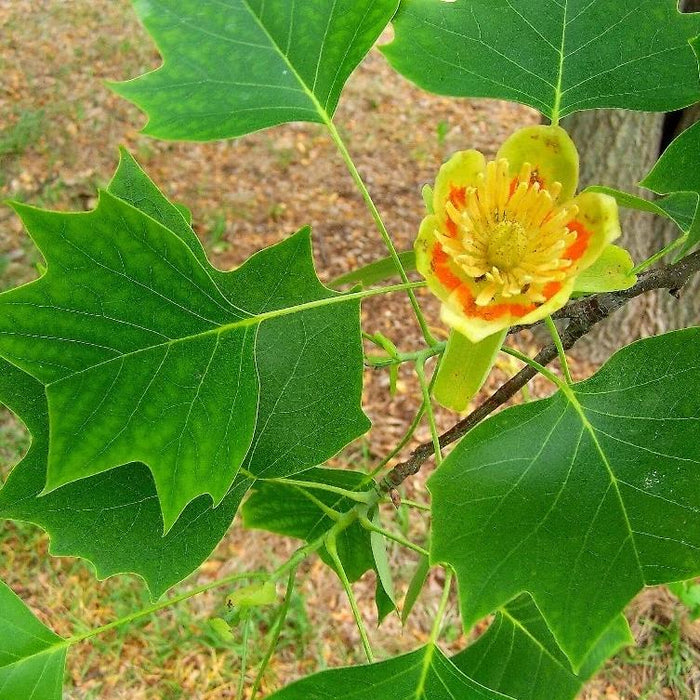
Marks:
<point>507,240</point>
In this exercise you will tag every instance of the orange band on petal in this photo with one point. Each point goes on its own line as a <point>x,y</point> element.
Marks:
<point>458,196</point>
<point>440,265</point>
<point>580,245</point>
<point>551,289</point>
<point>451,227</point>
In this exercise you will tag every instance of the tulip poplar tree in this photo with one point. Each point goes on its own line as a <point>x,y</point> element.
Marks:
<point>164,395</point>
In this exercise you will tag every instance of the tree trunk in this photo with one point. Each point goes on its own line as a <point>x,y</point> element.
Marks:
<point>617,149</point>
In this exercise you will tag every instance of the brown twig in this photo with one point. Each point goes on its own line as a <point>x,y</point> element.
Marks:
<point>582,314</point>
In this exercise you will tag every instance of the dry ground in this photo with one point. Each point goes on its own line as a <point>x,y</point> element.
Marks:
<point>59,132</point>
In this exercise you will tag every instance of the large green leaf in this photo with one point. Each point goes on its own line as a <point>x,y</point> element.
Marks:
<point>233,67</point>
<point>293,404</point>
<point>519,657</point>
<point>580,499</point>
<point>425,674</point>
<point>149,355</point>
<point>286,510</point>
<point>556,56</point>
<point>32,657</point>
<point>112,519</point>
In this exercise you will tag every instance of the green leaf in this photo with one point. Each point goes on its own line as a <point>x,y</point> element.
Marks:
<point>415,587</point>
<point>678,172</point>
<point>233,68</point>
<point>112,519</point>
<point>161,349</point>
<point>425,674</point>
<point>32,657</point>
<point>464,368</point>
<point>290,408</point>
<point>378,271</point>
<point>679,208</point>
<point>558,57</point>
<point>286,510</point>
<point>580,499</point>
<point>609,273</point>
<point>519,641</point>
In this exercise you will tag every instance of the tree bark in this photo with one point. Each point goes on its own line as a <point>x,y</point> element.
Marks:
<point>617,149</point>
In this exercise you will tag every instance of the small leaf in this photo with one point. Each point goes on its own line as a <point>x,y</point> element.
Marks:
<point>678,171</point>
<point>32,657</point>
<point>609,273</point>
<point>581,499</point>
<point>381,561</point>
<point>255,595</point>
<point>221,629</point>
<point>415,587</point>
<point>425,674</point>
<point>519,641</point>
<point>285,510</point>
<point>235,68</point>
<point>558,57</point>
<point>464,369</point>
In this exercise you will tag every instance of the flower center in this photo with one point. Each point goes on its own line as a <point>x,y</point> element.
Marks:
<point>509,234</point>
<point>507,245</point>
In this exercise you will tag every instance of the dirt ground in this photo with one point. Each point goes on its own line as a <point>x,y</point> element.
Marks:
<point>59,132</point>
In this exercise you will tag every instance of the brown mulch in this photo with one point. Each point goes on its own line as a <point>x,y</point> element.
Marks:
<point>59,132</point>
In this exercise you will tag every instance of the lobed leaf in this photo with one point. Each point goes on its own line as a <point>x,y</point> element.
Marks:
<point>558,57</point>
<point>112,519</point>
<point>236,66</point>
<point>148,354</point>
<point>580,499</point>
<point>32,657</point>
<point>518,656</point>
<point>425,674</point>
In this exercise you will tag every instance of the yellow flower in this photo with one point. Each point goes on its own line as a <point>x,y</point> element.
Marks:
<point>507,239</point>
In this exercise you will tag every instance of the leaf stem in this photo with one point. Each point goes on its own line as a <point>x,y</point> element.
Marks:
<point>381,227</point>
<point>400,358</point>
<point>369,525</point>
<point>279,624</point>
<point>677,243</point>
<point>333,552</point>
<point>425,388</point>
<point>556,338</point>
<point>537,366</point>
<point>244,656</point>
<point>356,496</point>
<point>164,604</point>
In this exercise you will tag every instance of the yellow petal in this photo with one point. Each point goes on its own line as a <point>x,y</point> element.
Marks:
<point>598,214</point>
<point>459,172</point>
<point>551,153</point>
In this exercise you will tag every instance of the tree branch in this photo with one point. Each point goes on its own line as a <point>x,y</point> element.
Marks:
<point>582,314</point>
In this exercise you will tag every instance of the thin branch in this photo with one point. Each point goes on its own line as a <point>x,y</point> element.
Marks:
<point>583,314</point>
